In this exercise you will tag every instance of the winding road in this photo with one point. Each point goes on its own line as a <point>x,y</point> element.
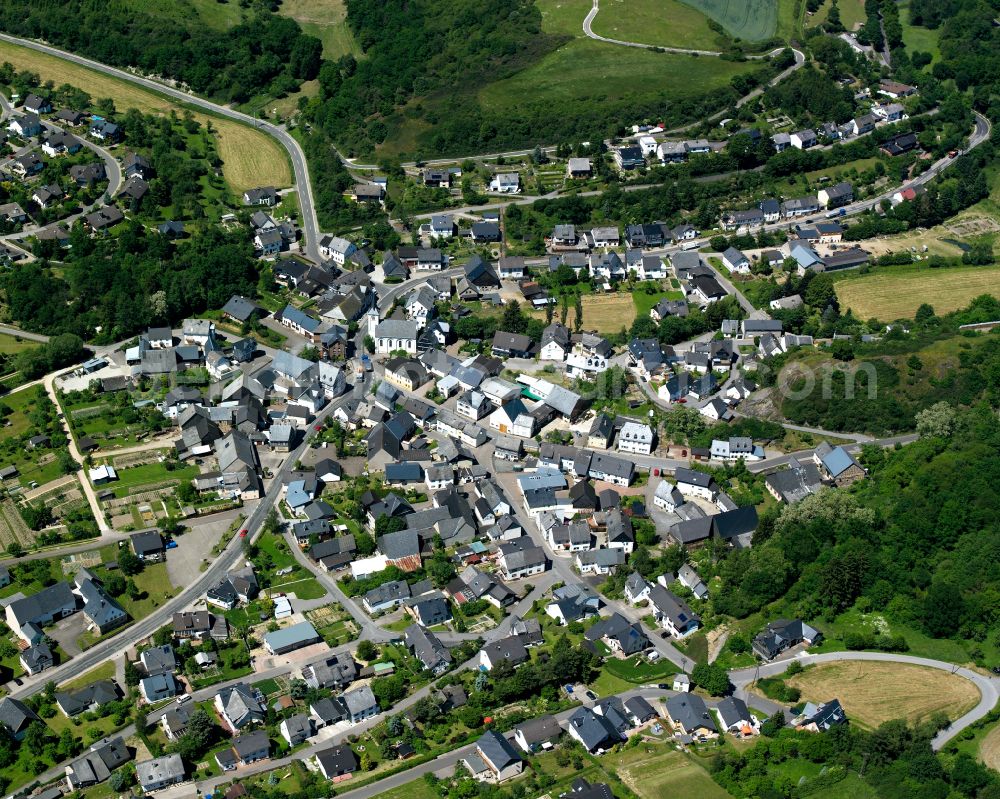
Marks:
<point>307,206</point>
<point>587,29</point>
<point>111,167</point>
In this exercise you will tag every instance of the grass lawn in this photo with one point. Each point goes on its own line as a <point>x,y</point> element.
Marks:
<point>654,771</point>
<point>105,671</point>
<point>59,722</point>
<point>593,72</point>
<point>11,345</point>
<point>155,583</point>
<point>644,302</point>
<point>309,588</point>
<point>417,789</point>
<point>327,21</point>
<point>889,295</point>
<point>920,644</point>
<point>637,670</point>
<point>210,13</point>
<point>851,787</point>
<point>917,38</point>
<point>150,474</point>
<point>220,675</point>
<point>836,173</point>
<point>751,20</point>
<point>563,16</point>
<point>268,687</point>
<point>852,13</point>
<point>250,158</point>
<point>662,22</point>
<point>874,692</point>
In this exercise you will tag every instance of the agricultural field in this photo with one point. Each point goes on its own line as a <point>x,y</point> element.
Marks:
<point>327,21</point>
<point>989,749</point>
<point>605,313</point>
<point>135,479</point>
<point>334,625</point>
<point>874,692</point>
<point>750,20</point>
<point>12,527</point>
<point>897,294</point>
<point>586,71</point>
<point>250,158</point>
<point>669,23</point>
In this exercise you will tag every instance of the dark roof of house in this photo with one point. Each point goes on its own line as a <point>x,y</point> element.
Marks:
<point>594,730</point>
<point>732,523</point>
<point>497,750</point>
<point>15,715</point>
<point>250,743</point>
<point>511,342</point>
<point>543,728</point>
<point>146,542</point>
<point>337,760</point>
<point>690,711</point>
<point>629,635</point>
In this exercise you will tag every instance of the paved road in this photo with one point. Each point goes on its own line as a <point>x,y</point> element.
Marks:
<point>111,167</point>
<point>13,331</point>
<point>771,464</point>
<point>162,615</point>
<point>76,455</point>
<point>589,19</point>
<point>310,225</point>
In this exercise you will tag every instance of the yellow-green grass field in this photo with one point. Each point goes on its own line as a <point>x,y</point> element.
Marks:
<point>11,345</point>
<point>989,749</point>
<point>874,692</point>
<point>917,38</point>
<point>605,313</point>
<point>588,71</point>
<point>209,13</point>
<point>327,21</point>
<point>105,671</point>
<point>250,158</point>
<point>887,296</point>
<point>660,22</point>
<point>564,16</point>
<point>655,772</point>
<point>750,20</point>
<point>852,13</point>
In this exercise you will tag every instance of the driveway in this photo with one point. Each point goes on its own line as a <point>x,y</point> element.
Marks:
<point>67,631</point>
<point>194,546</point>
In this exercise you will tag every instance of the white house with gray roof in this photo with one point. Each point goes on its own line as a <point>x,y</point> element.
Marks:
<point>396,334</point>
<point>635,437</point>
<point>159,772</point>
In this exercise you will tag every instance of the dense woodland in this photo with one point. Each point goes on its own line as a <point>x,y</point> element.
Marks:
<point>267,54</point>
<point>894,761</point>
<point>916,541</point>
<point>126,283</point>
<point>883,386</point>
